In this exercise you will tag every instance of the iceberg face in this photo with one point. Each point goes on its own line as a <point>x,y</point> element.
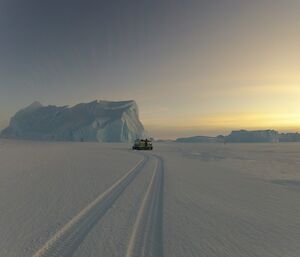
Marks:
<point>257,136</point>
<point>101,121</point>
<point>289,137</point>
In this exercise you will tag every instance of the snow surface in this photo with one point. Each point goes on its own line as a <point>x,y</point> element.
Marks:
<point>180,200</point>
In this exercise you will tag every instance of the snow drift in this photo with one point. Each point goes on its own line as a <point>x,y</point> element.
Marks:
<point>102,121</point>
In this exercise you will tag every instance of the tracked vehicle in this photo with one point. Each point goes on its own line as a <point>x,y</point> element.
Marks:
<point>142,144</point>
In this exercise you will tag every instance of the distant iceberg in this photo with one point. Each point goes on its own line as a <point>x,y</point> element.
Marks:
<point>102,121</point>
<point>199,139</point>
<point>255,136</point>
<point>289,137</point>
<point>245,136</point>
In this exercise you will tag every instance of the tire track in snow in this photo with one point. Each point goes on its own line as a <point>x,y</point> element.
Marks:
<point>147,234</point>
<point>65,242</point>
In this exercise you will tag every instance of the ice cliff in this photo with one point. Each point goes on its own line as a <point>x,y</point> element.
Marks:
<point>245,136</point>
<point>102,121</point>
<point>256,136</point>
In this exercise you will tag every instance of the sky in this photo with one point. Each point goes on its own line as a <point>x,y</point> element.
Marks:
<point>194,67</point>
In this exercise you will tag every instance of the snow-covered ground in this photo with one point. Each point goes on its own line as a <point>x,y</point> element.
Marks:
<point>180,200</point>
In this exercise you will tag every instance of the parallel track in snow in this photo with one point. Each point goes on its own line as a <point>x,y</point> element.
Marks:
<point>147,235</point>
<point>65,242</point>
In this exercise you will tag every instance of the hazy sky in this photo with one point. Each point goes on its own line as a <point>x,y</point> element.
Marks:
<point>193,66</point>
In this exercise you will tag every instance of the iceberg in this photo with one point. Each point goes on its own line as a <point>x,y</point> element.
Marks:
<point>255,136</point>
<point>100,121</point>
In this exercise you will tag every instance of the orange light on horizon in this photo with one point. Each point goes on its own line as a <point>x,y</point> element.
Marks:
<point>279,121</point>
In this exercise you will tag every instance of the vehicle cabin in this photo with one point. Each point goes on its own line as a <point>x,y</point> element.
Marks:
<point>142,144</point>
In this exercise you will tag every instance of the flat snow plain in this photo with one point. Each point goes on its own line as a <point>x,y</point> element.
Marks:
<point>180,200</point>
